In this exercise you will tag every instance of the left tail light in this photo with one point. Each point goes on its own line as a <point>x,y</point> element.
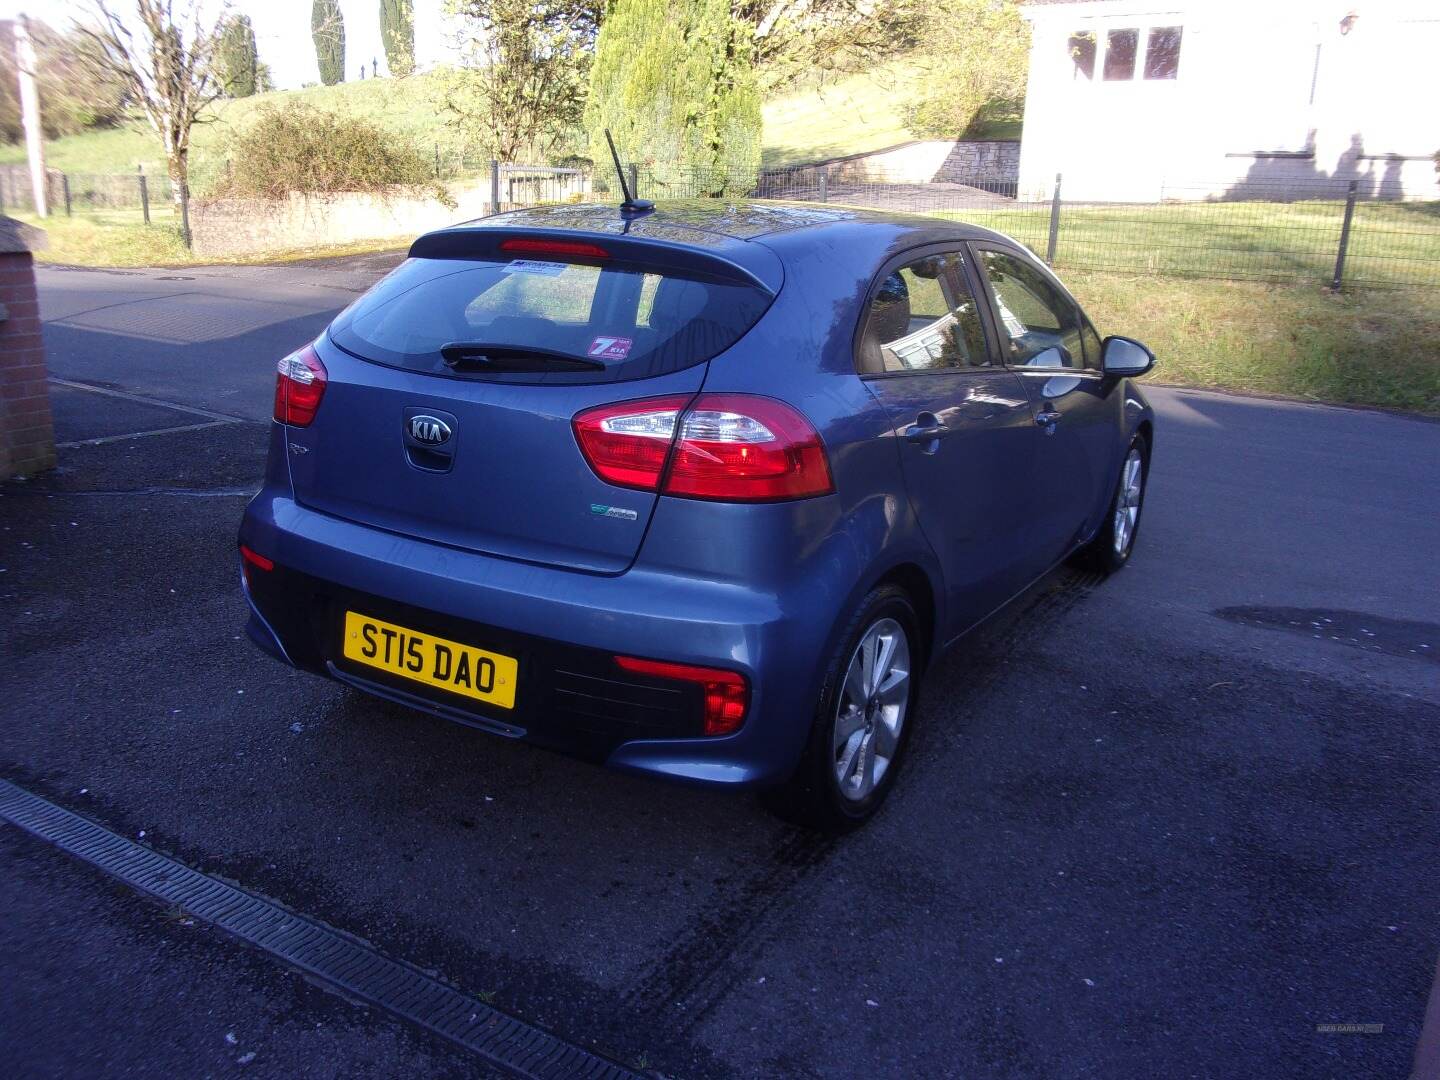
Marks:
<point>299,385</point>
<point>727,447</point>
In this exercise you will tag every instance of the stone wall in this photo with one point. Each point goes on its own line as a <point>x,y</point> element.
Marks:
<point>931,162</point>
<point>223,227</point>
<point>253,226</point>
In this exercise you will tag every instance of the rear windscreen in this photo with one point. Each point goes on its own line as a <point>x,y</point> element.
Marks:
<point>544,320</point>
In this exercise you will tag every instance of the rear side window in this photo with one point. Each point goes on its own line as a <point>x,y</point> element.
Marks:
<point>923,318</point>
<point>545,320</point>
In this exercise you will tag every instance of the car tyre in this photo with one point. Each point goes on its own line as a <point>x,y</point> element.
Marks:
<point>1111,546</point>
<point>859,727</point>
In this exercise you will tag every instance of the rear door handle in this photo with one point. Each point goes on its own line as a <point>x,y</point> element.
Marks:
<point>1048,417</point>
<point>927,428</point>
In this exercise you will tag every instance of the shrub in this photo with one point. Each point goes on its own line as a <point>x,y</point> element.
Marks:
<point>975,54</point>
<point>299,148</point>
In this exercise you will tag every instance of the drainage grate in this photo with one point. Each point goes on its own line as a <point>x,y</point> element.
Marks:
<point>509,1044</point>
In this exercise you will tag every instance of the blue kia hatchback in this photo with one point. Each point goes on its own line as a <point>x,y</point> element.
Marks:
<point>698,491</point>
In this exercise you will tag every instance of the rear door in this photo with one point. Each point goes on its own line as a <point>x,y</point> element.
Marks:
<point>452,385</point>
<point>961,423</point>
<point>1043,337</point>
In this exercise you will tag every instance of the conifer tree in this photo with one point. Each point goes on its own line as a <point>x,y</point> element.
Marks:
<point>674,82</point>
<point>327,28</point>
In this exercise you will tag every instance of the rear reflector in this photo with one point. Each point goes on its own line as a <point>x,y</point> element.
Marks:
<point>727,447</point>
<point>299,385</point>
<point>251,561</point>
<point>536,246</point>
<point>727,695</point>
<point>255,559</point>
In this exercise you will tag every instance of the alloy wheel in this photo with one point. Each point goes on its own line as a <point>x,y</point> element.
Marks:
<point>871,709</point>
<point>1127,503</point>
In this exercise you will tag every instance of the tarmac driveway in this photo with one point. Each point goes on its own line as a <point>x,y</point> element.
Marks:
<point>1165,825</point>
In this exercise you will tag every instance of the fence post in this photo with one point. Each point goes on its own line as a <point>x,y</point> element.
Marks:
<point>185,214</point>
<point>65,190</point>
<point>144,192</point>
<point>437,161</point>
<point>634,180</point>
<point>494,186</point>
<point>824,183</point>
<point>1344,237</point>
<point>1054,224</point>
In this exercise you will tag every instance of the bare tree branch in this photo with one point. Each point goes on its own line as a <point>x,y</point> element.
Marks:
<point>169,67</point>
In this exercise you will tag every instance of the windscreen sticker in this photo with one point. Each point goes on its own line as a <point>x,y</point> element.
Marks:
<point>534,266</point>
<point>610,348</point>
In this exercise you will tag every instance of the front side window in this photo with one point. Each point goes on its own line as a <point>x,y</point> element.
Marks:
<point>1120,49</point>
<point>923,318</point>
<point>1162,53</point>
<point>1039,324</point>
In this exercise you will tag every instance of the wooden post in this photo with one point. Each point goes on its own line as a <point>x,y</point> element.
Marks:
<point>144,192</point>
<point>185,213</point>
<point>65,188</point>
<point>494,186</point>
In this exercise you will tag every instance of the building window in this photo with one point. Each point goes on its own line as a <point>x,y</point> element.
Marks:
<point>1082,52</point>
<point>1120,49</point>
<point>1162,54</point>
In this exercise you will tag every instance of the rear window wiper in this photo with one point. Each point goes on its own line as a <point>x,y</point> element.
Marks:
<point>479,356</point>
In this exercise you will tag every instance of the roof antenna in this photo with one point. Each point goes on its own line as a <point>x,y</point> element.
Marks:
<point>631,205</point>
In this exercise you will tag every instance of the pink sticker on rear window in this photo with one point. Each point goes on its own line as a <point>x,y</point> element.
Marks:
<point>610,348</point>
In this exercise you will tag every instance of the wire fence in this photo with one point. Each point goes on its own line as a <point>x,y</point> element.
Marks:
<point>1328,231</point>
<point>68,192</point>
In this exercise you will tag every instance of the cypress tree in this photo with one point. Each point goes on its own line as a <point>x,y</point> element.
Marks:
<point>397,32</point>
<point>239,61</point>
<point>674,82</point>
<point>327,27</point>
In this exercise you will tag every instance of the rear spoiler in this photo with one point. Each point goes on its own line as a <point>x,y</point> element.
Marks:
<point>758,267</point>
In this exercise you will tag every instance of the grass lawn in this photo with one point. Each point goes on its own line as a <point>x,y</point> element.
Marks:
<point>404,105</point>
<point>842,116</point>
<point>1390,243</point>
<point>121,238</point>
<point>1376,347</point>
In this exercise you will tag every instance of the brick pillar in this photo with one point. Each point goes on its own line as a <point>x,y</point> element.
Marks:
<point>27,438</point>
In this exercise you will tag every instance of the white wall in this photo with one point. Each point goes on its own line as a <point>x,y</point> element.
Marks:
<point>1258,76</point>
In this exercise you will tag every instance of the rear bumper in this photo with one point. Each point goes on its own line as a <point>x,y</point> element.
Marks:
<point>564,627</point>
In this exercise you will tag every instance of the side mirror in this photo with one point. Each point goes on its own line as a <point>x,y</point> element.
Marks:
<point>1125,357</point>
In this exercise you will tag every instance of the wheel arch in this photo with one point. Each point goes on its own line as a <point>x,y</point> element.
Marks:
<point>916,583</point>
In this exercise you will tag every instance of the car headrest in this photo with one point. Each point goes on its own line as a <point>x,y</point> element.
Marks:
<point>890,311</point>
<point>677,303</point>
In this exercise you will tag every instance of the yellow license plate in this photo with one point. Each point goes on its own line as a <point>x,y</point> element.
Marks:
<point>434,661</point>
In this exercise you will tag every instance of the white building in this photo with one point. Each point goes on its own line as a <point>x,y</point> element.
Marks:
<point>1140,100</point>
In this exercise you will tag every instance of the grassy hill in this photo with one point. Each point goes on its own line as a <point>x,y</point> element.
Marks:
<point>809,123</point>
<point>405,105</point>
